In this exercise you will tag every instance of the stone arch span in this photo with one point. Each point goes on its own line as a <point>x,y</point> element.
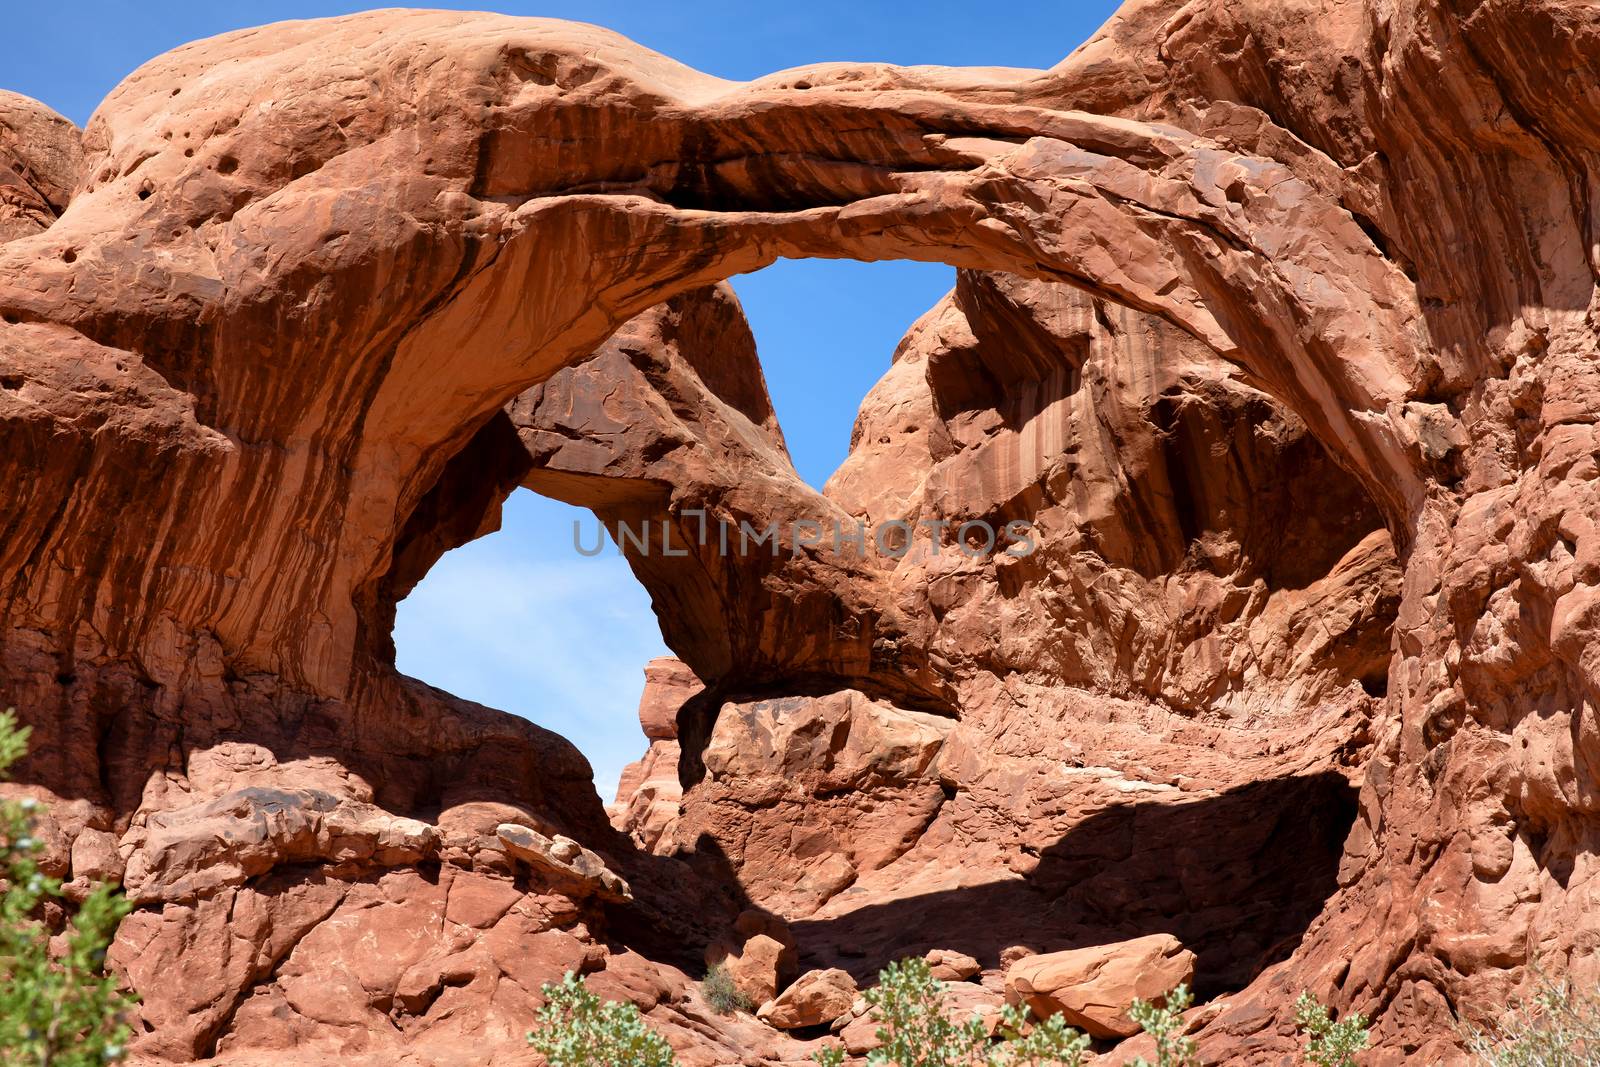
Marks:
<point>299,268</point>
<point>497,196</point>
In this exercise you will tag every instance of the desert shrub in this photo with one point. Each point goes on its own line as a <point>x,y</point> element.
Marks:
<point>908,1005</point>
<point>1556,1027</point>
<point>1329,1043</point>
<point>1049,1042</point>
<point>1165,1024</point>
<point>722,994</point>
<point>54,1012</point>
<point>577,1029</point>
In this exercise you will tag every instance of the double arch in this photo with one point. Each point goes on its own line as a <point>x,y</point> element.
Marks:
<point>349,282</point>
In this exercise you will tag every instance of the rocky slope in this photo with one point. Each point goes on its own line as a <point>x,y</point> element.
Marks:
<point>1276,319</point>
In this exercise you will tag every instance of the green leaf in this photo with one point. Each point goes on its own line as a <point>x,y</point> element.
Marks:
<point>54,1011</point>
<point>577,1029</point>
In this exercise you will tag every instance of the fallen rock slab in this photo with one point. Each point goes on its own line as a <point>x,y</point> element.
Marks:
<point>566,864</point>
<point>947,965</point>
<point>818,997</point>
<point>1094,987</point>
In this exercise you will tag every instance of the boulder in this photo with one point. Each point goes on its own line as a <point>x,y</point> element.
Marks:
<point>816,999</point>
<point>951,966</point>
<point>760,957</point>
<point>567,865</point>
<point>860,1035</point>
<point>1094,987</point>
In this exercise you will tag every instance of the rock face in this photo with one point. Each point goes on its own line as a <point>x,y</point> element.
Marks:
<point>649,793</point>
<point>41,156</point>
<point>803,794</point>
<point>1275,322</point>
<point>1194,544</point>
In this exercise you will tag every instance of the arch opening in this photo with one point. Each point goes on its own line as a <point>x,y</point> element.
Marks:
<point>519,621</point>
<point>1157,476</point>
<point>1070,432</point>
<point>825,329</point>
<point>517,618</point>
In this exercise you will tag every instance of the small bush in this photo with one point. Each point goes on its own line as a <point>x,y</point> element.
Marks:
<point>1554,1028</point>
<point>1165,1024</point>
<point>577,1029</point>
<point>908,1005</point>
<point>1329,1044</point>
<point>54,1012</point>
<point>722,994</point>
<point>1049,1042</point>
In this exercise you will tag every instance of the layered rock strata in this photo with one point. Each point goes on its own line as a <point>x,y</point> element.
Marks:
<point>262,321</point>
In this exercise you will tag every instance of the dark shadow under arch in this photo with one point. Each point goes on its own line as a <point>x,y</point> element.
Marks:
<point>1237,877</point>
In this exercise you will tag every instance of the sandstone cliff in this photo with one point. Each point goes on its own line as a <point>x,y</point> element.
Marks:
<point>1276,318</point>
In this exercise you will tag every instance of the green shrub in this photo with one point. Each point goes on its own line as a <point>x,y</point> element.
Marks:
<point>1049,1042</point>
<point>1554,1028</point>
<point>54,1012</point>
<point>908,1005</point>
<point>577,1029</point>
<point>1165,1024</point>
<point>1329,1044</point>
<point>722,994</point>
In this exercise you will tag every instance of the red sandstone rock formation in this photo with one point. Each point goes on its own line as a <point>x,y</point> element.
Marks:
<point>267,340</point>
<point>1093,987</point>
<point>41,155</point>
<point>816,998</point>
<point>880,830</point>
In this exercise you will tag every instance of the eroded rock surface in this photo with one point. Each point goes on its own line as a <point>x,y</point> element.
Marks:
<point>190,852</point>
<point>41,155</point>
<point>817,998</point>
<point>1062,805</point>
<point>1310,447</point>
<point>1093,988</point>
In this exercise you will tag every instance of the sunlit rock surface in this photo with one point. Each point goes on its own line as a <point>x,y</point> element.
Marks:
<point>1275,320</point>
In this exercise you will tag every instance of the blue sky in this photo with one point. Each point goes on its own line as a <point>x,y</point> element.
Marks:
<point>497,621</point>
